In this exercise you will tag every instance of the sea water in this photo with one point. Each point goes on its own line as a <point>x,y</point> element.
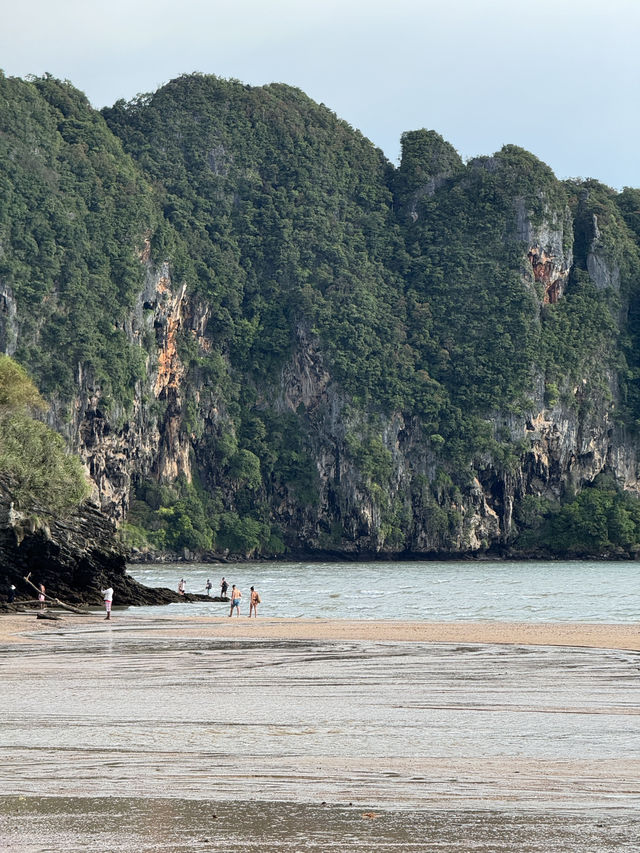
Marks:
<point>520,591</point>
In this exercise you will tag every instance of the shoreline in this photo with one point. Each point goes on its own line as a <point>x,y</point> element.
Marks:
<point>20,628</point>
<point>499,556</point>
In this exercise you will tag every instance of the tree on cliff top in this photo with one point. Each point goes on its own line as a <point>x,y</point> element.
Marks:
<point>44,477</point>
<point>17,391</point>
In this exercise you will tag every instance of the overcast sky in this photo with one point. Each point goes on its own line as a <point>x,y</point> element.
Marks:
<point>560,78</point>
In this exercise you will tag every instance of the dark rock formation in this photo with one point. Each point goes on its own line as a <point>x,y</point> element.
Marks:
<point>74,558</point>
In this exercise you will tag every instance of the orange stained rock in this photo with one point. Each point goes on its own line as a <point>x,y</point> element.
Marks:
<point>170,368</point>
<point>543,266</point>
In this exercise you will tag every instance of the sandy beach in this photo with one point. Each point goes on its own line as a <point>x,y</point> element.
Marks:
<point>327,732</point>
<point>22,627</point>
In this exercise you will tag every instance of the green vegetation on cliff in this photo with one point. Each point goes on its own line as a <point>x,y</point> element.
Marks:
<point>330,297</point>
<point>74,212</point>
<point>288,222</point>
<point>601,519</point>
<point>41,474</point>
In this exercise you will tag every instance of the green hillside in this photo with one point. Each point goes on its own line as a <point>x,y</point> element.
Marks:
<point>354,358</point>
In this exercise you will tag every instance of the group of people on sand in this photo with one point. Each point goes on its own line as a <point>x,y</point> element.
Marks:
<point>235,595</point>
<point>107,597</point>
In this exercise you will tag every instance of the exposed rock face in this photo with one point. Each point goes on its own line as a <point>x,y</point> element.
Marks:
<point>8,321</point>
<point>146,441</point>
<point>548,255</point>
<point>602,271</point>
<point>564,446</point>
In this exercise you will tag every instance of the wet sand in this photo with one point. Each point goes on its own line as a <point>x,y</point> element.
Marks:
<point>152,825</point>
<point>585,635</point>
<point>155,734</point>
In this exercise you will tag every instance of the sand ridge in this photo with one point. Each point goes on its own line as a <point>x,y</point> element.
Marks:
<point>25,627</point>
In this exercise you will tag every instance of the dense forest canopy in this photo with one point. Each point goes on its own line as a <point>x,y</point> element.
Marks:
<point>461,299</point>
<point>73,211</point>
<point>44,478</point>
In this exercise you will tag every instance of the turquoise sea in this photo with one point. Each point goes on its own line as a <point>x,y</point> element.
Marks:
<point>531,591</point>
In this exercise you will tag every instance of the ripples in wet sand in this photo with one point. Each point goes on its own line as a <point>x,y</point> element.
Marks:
<point>196,744</point>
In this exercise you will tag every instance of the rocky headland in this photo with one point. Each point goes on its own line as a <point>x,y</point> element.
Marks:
<point>74,557</point>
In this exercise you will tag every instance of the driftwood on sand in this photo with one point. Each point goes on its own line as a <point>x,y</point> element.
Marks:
<point>56,601</point>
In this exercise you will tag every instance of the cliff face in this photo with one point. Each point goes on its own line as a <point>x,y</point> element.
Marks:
<point>306,347</point>
<point>561,447</point>
<point>74,557</point>
<point>548,249</point>
<point>117,444</point>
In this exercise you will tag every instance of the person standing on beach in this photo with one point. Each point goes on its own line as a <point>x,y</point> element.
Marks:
<point>181,586</point>
<point>208,586</point>
<point>41,596</point>
<point>107,597</point>
<point>254,601</point>
<point>236,595</point>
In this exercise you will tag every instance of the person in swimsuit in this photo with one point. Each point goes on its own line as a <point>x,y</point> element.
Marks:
<point>41,596</point>
<point>236,595</point>
<point>223,588</point>
<point>254,601</point>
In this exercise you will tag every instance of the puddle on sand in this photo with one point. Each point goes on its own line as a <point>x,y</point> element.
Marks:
<point>39,825</point>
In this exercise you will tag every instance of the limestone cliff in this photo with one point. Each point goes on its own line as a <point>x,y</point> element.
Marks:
<point>261,337</point>
<point>415,506</point>
<point>119,446</point>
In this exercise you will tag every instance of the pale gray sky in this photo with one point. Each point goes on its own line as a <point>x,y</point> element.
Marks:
<point>558,77</point>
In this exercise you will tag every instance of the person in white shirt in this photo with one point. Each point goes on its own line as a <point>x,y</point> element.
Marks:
<point>107,595</point>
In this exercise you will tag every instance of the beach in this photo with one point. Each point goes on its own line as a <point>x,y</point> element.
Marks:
<point>587,635</point>
<point>211,733</point>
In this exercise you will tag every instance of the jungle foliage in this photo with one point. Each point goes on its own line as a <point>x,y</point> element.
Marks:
<point>601,519</point>
<point>74,211</point>
<point>412,284</point>
<point>43,477</point>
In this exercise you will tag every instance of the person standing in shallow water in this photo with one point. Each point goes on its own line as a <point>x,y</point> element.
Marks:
<point>224,586</point>
<point>236,595</point>
<point>41,596</point>
<point>254,601</point>
<point>107,597</point>
<point>208,586</point>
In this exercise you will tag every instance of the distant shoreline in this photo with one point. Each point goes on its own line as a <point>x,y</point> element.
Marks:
<point>20,628</point>
<point>463,557</point>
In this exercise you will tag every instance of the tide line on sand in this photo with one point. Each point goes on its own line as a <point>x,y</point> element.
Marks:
<point>19,627</point>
